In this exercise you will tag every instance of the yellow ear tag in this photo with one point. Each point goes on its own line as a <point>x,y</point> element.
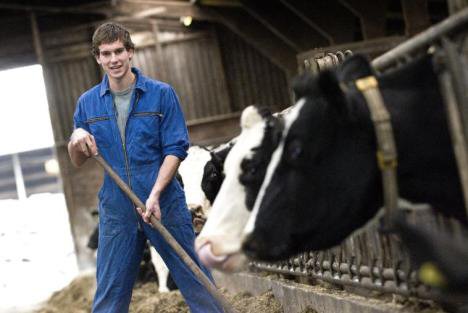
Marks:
<point>430,274</point>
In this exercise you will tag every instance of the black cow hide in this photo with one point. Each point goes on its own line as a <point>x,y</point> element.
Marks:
<point>327,183</point>
<point>213,175</point>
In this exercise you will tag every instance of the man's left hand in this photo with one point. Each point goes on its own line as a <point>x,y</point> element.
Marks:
<point>152,208</point>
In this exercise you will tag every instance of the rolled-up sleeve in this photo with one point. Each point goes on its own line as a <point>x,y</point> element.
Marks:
<point>79,117</point>
<point>174,134</point>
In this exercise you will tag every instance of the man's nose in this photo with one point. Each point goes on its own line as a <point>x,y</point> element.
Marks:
<point>113,57</point>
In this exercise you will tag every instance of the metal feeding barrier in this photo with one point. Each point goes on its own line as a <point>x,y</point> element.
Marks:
<point>369,259</point>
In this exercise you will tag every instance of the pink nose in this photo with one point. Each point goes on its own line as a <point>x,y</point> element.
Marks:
<point>209,259</point>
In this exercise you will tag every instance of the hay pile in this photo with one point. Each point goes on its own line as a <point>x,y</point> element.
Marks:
<point>77,297</point>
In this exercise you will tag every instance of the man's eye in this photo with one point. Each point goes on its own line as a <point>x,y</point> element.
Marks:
<point>119,51</point>
<point>105,53</point>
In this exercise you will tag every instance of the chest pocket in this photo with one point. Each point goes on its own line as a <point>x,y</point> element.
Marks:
<point>101,130</point>
<point>147,126</point>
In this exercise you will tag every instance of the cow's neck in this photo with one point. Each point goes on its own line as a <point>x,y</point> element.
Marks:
<point>427,170</point>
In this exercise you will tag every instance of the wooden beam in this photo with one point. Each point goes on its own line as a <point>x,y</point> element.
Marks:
<point>416,16</point>
<point>285,25</point>
<point>214,130</point>
<point>299,13</point>
<point>218,3</point>
<point>161,63</point>
<point>160,9</point>
<point>371,14</point>
<point>258,37</point>
<point>339,29</point>
<point>94,8</point>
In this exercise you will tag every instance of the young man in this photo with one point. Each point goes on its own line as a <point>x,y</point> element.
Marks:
<point>138,126</point>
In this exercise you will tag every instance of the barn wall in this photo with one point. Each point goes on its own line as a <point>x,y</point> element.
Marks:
<point>251,78</point>
<point>193,67</point>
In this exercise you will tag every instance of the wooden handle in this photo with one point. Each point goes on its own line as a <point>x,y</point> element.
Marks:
<point>169,239</point>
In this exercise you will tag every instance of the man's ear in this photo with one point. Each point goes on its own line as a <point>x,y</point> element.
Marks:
<point>130,53</point>
<point>97,59</point>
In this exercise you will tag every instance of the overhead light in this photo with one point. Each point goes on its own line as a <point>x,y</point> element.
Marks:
<point>186,20</point>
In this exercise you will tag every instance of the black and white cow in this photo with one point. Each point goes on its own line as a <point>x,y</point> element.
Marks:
<point>213,173</point>
<point>323,181</point>
<point>219,242</point>
<point>441,259</point>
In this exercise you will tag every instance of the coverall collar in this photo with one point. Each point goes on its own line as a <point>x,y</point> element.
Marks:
<point>140,83</point>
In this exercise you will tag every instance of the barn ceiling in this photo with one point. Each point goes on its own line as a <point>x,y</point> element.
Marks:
<point>280,28</point>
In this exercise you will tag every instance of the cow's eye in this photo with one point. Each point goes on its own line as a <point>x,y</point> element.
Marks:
<point>294,150</point>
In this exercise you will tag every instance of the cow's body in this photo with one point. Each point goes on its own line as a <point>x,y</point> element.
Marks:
<point>323,181</point>
<point>244,169</point>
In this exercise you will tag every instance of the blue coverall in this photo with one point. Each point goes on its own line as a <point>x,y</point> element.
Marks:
<point>155,128</point>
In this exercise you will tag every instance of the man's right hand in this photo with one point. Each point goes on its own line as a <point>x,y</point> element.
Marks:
<point>81,146</point>
<point>83,142</point>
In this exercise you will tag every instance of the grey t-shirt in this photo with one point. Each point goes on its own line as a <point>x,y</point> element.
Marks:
<point>122,105</point>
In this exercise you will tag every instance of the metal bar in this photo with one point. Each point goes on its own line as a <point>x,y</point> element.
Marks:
<point>169,239</point>
<point>456,131</point>
<point>422,40</point>
<point>19,179</point>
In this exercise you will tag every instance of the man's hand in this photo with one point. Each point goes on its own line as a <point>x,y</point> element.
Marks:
<point>152,208</point>
<point>83,142</point>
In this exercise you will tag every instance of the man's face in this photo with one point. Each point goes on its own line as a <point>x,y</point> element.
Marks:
<point>114,59</point>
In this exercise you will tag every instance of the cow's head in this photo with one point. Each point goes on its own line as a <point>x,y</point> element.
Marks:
<point>218,244</point>
<point>191,172</point>
<point>321,171</point>
<point>213,173</point>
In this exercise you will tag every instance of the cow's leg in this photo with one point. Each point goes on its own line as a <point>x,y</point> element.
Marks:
<point>161,269</point>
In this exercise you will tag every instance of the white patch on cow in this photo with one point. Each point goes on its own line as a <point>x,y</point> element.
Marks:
<point>229,213</point>
<point>191,170</point>
<point>289,119</point>
<point>161,270</point>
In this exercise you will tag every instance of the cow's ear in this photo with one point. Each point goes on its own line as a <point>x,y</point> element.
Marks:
<point>355,67</point>
<point>215,159</point>
<point>250,116</point>
<point>331,90</point>
<point>264,112</point>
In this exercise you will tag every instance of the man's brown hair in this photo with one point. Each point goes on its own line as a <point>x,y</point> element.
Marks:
<point>109,33</point>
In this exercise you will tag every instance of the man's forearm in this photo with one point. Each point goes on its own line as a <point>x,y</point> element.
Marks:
<point>166,173</point>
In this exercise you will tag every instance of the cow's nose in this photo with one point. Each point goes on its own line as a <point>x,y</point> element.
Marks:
<point>208,258</point>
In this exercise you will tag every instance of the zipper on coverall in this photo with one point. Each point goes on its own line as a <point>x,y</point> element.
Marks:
<point>127,168</point>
